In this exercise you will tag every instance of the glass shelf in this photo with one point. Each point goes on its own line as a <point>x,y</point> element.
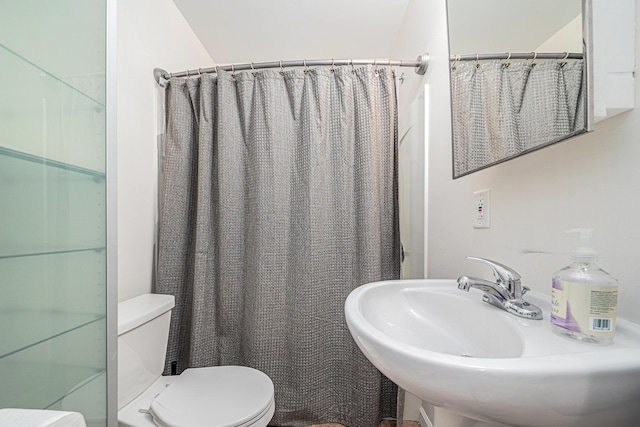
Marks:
<point>22,329</point>
<point>19,155</point>
<point>52,252</point>
<point>87,397</point>
<point>65,38</point>
<point>43,374</point>
<point>47,117</point>
<point>74,282</point>
<point>49,206</point>
<point>47,73</point>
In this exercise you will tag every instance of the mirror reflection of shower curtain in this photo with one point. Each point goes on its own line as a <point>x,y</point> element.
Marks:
<point>500,111</point>
<point>280,197</point>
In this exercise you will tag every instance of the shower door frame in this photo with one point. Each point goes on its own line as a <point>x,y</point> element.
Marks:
<point>112,212</point>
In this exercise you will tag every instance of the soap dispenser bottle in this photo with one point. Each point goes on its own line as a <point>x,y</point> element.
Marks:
<point>584,297</point>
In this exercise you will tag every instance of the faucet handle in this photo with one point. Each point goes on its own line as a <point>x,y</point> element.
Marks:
<point>501,272</point>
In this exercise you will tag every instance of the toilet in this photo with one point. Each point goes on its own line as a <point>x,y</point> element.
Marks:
<point>221,396</point>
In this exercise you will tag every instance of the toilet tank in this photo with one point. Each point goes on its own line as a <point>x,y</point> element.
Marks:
<point>143,332</point>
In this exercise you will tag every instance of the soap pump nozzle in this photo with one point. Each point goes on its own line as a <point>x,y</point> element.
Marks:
<point>584,253</point>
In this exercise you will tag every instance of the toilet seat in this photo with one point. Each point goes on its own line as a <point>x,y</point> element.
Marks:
<point>229,396</point>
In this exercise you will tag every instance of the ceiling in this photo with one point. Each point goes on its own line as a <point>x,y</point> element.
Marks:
<point>236,31</point>
<point>241,31</point>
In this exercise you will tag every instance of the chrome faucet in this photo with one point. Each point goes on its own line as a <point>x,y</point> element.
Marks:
<point>506,292</point>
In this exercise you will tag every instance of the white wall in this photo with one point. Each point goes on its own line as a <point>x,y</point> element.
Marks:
<point>410,42</point>
<point>424,30</point>
<point>589,181</point>
<point>151,33</point>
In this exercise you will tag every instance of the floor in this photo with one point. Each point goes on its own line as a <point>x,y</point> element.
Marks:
<point>386,423</point>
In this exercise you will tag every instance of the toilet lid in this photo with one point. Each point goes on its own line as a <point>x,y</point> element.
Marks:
<point>231,396</point>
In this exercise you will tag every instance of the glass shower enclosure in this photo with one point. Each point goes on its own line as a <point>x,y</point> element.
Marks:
<point>53,207</point>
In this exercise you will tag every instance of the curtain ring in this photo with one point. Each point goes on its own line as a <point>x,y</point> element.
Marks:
<point>566,55</point>
<point>281,68</point>
<point>333,65</point>
<point>233,70</point>
<point>506,62</point>
<point>199,72</point>
<point>253,71</point>
<point>353,70</point>
<point>477,60</point>
<point>375,66</point>
<point>188,74</point>
<point>306,69</point>
<point>535,55</point>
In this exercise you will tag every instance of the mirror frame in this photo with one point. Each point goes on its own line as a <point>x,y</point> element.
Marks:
<point>587,51</point>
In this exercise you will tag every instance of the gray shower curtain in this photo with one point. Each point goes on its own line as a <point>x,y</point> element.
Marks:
<point>500,111</point>
<point>279,197</point>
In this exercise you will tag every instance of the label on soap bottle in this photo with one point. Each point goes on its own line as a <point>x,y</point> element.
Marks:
<point>583,308</point>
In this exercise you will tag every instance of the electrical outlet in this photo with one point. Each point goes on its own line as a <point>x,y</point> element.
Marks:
<point>482,208</point>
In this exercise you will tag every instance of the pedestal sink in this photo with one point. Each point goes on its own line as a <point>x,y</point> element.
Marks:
<point>452,350</point>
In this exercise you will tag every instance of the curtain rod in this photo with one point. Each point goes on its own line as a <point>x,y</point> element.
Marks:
<point>508,55</point>
<point>420,65</point>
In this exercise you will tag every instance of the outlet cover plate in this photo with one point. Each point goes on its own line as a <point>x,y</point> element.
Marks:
<point>482,209</point>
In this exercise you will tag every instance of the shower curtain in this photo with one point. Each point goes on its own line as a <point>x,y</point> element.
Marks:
<point>279,197</point>
<point>500,111</point>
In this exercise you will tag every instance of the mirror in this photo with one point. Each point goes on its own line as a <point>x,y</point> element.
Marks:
<point>520,77</point>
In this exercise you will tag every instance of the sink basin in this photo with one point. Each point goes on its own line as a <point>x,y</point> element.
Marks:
<point>454,351</point>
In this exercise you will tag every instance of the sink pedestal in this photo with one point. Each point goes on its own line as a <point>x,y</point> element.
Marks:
<point>433,416</point>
